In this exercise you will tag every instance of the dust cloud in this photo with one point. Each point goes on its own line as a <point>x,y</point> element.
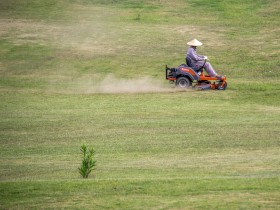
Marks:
<point>111,84</point>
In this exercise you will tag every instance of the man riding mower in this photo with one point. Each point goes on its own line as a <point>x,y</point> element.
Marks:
<point>192,72</point>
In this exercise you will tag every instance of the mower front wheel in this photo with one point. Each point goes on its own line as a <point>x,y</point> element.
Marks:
<point>222,86</point>
<point>183,82</point>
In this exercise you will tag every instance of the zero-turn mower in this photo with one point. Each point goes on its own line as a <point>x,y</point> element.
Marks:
<point>185,76</point>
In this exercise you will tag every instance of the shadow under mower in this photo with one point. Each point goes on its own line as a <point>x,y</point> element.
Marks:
<point>185,76</point>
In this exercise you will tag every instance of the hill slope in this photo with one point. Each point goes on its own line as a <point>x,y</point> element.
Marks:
<point>57,42</point>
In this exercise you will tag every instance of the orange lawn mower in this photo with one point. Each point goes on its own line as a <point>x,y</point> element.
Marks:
<point>185,76</point>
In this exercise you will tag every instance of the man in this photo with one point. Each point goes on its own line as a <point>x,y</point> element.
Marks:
<point>198,60</point>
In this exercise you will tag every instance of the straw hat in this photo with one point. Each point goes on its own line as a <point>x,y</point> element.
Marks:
<point>195,43</point>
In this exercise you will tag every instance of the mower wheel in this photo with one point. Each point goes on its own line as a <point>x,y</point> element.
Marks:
<point>221,86</point>
<point>183,82</point>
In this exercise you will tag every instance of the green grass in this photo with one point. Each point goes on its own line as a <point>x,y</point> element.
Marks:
<point>142,194</point>
<point>157,150</point>
<point>151,147</point>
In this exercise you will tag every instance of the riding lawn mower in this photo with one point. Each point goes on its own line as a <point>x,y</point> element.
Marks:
<point>185,76</point>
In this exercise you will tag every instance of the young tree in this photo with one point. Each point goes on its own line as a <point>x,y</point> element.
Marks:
<point>88,163</point>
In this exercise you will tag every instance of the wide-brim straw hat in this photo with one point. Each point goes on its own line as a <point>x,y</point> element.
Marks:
<point>195,43</point>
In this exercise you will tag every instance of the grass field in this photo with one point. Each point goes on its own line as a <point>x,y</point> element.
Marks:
<point>91,72</point>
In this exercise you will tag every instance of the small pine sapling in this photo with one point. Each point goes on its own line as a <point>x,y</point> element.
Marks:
<point>88,163</point>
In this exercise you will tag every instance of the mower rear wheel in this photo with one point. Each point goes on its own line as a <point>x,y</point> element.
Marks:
<point>221,86</point>
<point>183,82</point>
